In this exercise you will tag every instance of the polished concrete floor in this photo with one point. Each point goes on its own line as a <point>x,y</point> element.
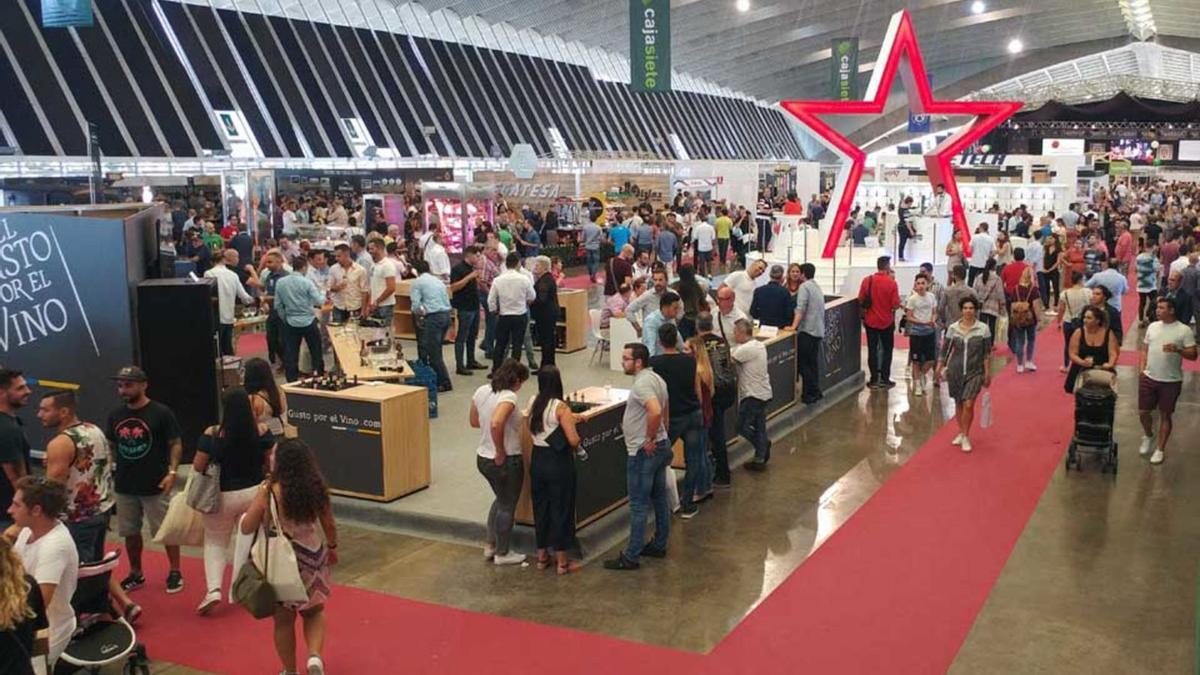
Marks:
<point>1103,578</point>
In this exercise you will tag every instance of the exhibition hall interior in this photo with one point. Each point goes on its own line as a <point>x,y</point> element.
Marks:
<point>599,336</point>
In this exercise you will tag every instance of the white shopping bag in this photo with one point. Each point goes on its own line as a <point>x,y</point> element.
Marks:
<point>985,410</point>
<point>672,490</point>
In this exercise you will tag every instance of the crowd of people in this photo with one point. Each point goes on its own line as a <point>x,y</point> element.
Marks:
<point>53,523</point>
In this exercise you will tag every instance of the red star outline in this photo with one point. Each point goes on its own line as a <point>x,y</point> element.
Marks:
<point>901,47</point>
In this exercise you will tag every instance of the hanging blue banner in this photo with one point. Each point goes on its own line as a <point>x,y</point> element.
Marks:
<point>66,13</point>
<point>919,124</point>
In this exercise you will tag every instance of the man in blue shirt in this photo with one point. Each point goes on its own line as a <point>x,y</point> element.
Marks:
<point>668,309</point>
<point>592,234</point>
<point>296,298</point>
<point>619,234</point>
<point>431,308</point>
<point>666,246</point>
<point>1117,286</point>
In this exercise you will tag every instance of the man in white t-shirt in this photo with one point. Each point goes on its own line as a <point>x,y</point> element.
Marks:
<point>704,237</point>
<point>754,392</point>
<point>381,293</point>
<point>47,552</point>
<point>743,284</point>
<point>289,218</point>
<point>438,259</point>
<point>1166,344</point>
<point>982,248</point>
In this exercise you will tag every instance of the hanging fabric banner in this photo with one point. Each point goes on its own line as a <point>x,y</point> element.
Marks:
<point>845,69</point>
<point>919,123</point>
<point>66,13</point>
<point>650,45</point>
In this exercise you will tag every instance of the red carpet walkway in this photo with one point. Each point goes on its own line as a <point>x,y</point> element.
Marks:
<point>895,590</point>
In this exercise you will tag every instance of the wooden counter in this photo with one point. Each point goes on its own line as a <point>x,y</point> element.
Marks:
<point>571,331</point>
<point>403,324</point>
<point>600,481</point>
<point>371,441</point>
<point>347,348</point>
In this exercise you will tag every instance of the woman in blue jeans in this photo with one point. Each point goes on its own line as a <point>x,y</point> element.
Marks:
<point>1022,338</point>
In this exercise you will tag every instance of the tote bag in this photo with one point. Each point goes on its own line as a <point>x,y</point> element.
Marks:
<point>204,489</point>
<point>276,558</point>
<point>183,525</point>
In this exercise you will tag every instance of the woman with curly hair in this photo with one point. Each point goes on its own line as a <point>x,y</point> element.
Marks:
<point>22,612</point>
<point>302,503</point>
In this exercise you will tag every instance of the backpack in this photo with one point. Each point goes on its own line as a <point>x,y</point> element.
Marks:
<point>1020,312</point>
<point>865,302</point>
<point>724,373</point>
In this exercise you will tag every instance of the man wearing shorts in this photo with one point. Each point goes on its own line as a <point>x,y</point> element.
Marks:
<point>147,448</point>
<point>1167,343</point>
<point>920,314</point>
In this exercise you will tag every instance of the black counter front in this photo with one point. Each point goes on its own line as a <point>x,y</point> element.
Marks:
<point>841,350</point>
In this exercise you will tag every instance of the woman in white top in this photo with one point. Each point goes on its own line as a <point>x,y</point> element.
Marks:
<point>1071,304</point>
<point>552,472</point>
<point>494,410</point>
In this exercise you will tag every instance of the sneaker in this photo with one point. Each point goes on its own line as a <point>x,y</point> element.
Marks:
<point>463,371</point>
<point>918,389</point>
<point>174,582</point>
<point>652,551</point>
<point>475,365</point>
<point>1145,449</point>
<point>211,599</point>
<point>688,512</point>
<point>621,563</point>
<point>1157,457</point>
<point>966,444</point>
<point>1020,368</point>
<point>719,484</point>
<point>958,439</point>
<point>888,384</point>
<point>509,558</point>
<point>132,613</point>
<point>489,552</point>
<point>873,384</point>
<point>134,581</point>
<point>315,665</point>
<point>1031,366</point>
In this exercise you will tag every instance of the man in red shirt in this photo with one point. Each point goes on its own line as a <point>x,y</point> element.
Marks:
<point>231,228</point>
<point>879,318</point>
<point>1011,274</point>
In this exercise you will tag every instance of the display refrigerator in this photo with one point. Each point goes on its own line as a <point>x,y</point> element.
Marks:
<point>458,207</point>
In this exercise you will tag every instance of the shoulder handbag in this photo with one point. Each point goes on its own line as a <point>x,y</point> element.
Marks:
<point>557,440</point>
<point>277,559</point>
<point>250,588</point>
<point>204,489</point>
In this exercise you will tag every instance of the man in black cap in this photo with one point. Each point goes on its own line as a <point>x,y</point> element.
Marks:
<point>147,447</point>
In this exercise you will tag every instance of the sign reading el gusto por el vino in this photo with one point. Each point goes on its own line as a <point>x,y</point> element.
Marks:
<point>38,297</point>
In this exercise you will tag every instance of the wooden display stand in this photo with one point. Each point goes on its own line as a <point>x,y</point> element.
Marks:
<point>403,324</point>
<point>600,483</point>
<point>571,328</point>
<point>371,441</point>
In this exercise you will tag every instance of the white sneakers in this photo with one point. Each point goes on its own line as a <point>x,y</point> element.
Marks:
<point>211,599</point>
<point>1147,446</point>
<point>1157,457</point>
<point>966,444</point>
<point>1031,366</point>
<point>1020,368</point>
<point>958,439</point>
<point>919,388</point>
<point>489,552</point>
<point>509,558</point>
<point>315,665</point>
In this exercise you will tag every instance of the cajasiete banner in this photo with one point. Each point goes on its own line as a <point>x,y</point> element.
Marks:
<point>650,45</point>
<point>66,13</point>
<point>845,69</point>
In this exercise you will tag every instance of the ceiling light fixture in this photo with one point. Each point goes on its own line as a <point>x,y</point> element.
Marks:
<point>978,7</point>
<point>1015,46</point>
<point>1139,18</point>
<point>743,5</point>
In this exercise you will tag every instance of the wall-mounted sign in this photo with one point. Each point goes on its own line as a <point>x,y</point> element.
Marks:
<point>650,45</point>
<point>530,190</point>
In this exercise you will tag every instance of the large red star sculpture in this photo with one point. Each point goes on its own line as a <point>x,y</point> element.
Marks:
<point>900,47</point>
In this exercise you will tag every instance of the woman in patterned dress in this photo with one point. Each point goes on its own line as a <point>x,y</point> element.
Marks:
<point>966,365</point>
<point>302,500</point>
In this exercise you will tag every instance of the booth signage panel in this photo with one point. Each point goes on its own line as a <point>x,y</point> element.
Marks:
<point>65,306</point>
<point>781,369</point>
<point>650,45</point>
<point>841,350</point>
<point>601,480</point>
<point>352,182</point>
<point>345,436</point>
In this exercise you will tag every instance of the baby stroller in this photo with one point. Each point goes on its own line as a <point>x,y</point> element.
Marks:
<point>102,636</point>
<point>1095,405</point>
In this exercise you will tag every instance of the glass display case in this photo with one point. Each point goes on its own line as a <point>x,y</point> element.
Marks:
<point>458,207</point>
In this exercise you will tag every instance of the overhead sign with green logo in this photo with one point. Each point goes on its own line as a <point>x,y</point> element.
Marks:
<point>844,77</point>
<point>650,45</point>
<point>1120,167</point>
